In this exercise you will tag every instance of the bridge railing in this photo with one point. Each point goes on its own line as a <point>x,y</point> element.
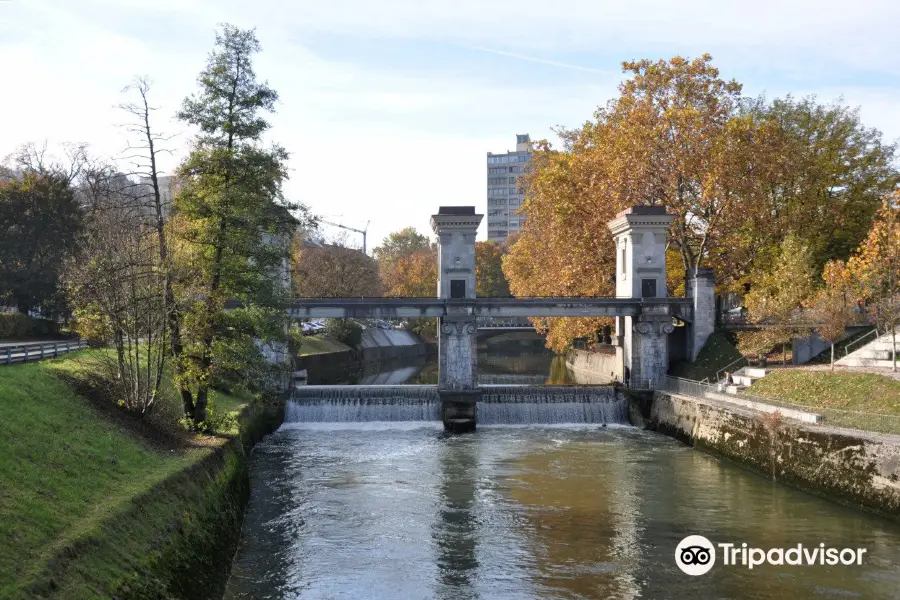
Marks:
<point>16,353</point>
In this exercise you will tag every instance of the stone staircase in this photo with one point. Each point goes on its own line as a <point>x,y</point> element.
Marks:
<point>877,353</point>
<point>744,378</point>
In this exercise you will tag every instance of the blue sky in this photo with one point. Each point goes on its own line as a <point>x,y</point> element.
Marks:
<point>389,106</point>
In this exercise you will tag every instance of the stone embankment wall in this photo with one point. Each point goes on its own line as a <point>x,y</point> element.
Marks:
<point>599,367</point>
<point>852,467</point>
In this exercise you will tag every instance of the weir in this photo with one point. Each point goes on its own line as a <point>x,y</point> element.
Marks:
<point>644,314</point>
<point>498,404</point>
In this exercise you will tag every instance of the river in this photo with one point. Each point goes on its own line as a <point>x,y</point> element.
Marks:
<point>401,510</point>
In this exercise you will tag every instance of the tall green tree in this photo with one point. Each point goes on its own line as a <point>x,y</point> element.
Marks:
<point>824,182</point>
<point>40,222</point>
<point>231,223</point>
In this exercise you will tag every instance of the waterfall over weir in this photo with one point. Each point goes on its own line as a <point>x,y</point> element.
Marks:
<point>499,404</point>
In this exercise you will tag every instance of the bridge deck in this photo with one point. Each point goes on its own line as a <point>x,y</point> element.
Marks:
<point>387,308</point>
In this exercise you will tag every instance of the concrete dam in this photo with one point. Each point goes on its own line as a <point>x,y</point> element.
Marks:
<point>498,404</point>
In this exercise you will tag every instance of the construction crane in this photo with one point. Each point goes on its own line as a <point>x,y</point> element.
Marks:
<point>362,231</point>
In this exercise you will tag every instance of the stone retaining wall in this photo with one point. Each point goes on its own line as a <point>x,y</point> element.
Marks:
<point>594,367</point>
<point>852,467</point>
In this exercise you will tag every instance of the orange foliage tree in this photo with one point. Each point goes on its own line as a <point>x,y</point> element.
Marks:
<point>876,269</point>
<point>671,138</point>
<point>490,282</point>
<point>680,136</point>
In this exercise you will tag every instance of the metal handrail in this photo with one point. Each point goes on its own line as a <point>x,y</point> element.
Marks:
<point>728,366</point>
<point>860,339</point>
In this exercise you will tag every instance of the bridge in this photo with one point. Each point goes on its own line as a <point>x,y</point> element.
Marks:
<point>644,316</point>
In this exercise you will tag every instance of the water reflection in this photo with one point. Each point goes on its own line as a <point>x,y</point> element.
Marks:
<point>401,511</point>
<point>529,367</point>
<point>454,532</point>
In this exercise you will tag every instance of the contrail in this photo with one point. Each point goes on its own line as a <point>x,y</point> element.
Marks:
<point>543,61</point>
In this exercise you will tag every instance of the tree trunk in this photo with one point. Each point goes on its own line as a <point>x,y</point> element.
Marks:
<point>200,404</point>
<point>187,400</point>
<point>832,357</point>
<point>783,354</point>
<point>894,349</point>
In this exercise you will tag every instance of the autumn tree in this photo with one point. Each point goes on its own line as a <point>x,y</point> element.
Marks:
<point>490,282</point>
<point>833,304</point>
<point>333,271</point>
<point>400,244</point>
<point>231,223</point>
<point>776,303</point>
<point>876,270</point>
<point>680,136</point>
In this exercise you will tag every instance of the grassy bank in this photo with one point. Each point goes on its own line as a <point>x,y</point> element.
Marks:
<point>718,352</point>
<point>867,392</point>
<point>864,401</point>
<point>103,504</point>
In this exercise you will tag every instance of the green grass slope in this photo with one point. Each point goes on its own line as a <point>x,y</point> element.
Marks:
<point>81,506</point>
<point>865,392</point>
<point>716,354</point>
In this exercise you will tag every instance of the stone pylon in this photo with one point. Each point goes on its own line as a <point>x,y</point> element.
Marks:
<point>455,227</point>
<point>640,233</point>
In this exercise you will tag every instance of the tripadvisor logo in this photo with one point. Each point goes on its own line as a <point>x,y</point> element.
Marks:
<point>696,555</point>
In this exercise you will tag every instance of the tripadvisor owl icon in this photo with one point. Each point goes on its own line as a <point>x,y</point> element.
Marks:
<point>695,555</point>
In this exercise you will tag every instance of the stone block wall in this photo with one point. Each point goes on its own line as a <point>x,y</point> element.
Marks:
<point>855,468</point>
<point>458,355</point>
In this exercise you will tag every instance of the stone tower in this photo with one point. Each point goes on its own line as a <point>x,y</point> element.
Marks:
<point>455,228</point>
<point>640,233</point>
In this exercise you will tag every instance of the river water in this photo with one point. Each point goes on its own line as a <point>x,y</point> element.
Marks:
<point>400,510</point>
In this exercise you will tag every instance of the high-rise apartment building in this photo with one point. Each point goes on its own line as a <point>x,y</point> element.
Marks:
<point>504,197</point>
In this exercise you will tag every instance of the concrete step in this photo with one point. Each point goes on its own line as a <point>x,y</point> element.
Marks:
<point>756,372</point>
<point>744,379</point>
<point>734,389</point>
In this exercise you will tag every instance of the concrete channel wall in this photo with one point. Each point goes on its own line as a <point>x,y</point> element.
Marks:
<point>852,467</point>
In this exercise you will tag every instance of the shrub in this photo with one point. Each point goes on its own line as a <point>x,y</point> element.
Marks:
<point>19,326</point>
<point>344,330</point>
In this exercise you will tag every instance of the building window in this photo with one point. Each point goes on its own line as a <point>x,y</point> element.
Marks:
<point>512,191</point>
<point>457,288</point>
<point>514,169</point>
<point>512,180</point>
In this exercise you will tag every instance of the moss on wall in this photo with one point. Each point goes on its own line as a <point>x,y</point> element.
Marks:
<point>860,470</point>
<point>177,540</point>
